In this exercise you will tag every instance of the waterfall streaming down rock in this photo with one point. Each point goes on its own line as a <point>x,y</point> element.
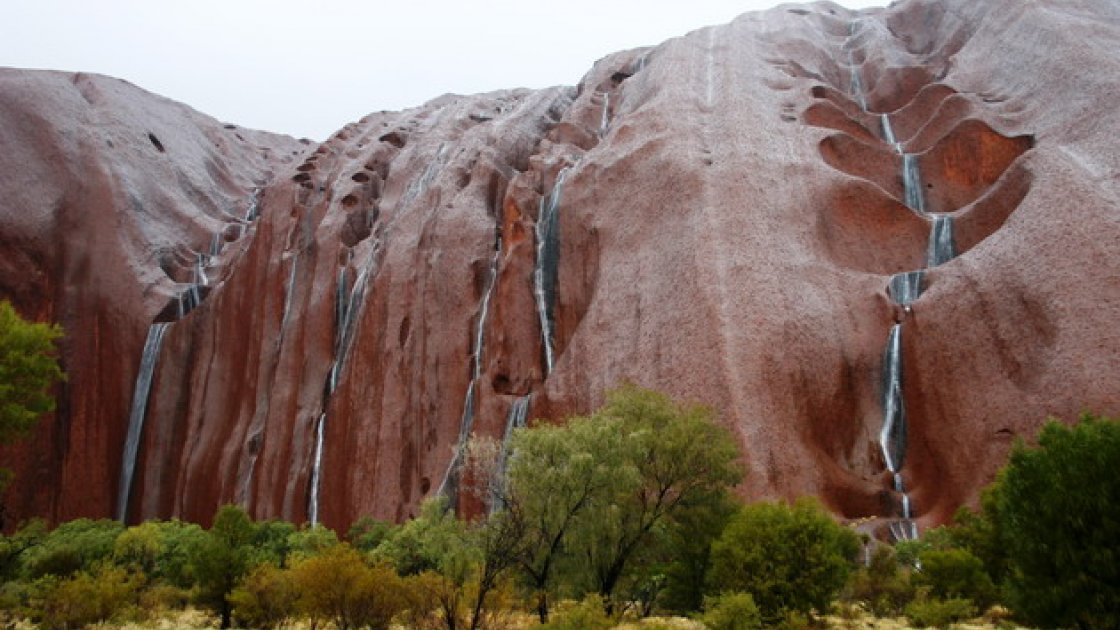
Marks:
<point>515,419</point>
<point>605,120</point>
<point>140,391</point>
<point>345,304</point>
<point>188,300</point>
<point>288,291</point>
<point>941,249</point>
<point>892,436</point>
<point>200,262</point>
<point>906,287</point>
<point>215,245</point>
<point>888,133</point>
<point>548,260</point>
<point>912,183</point>
<point>316,472</point>
<point>857,83</point>
<point>449,487</point>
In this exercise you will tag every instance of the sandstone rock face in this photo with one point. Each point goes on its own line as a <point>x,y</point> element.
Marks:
<point>719,217</point>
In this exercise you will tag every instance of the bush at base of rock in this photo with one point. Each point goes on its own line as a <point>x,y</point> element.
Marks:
<point>926,611</point>
<point>731,611</point>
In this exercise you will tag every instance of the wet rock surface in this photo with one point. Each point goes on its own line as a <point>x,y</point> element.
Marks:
<point>729,220</point>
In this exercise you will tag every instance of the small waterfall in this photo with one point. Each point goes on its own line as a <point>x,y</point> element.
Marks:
<point>892,436</point>
<point>200,263</point>
<point>449,487</point>
<point>215,245</point>
<point>548,261</point>
<point>605,120</point>
<point>888,133</point>
<point>856,83</point>
<point>912,183</point>
<point>345,305</point>
<point>291,286</point>
<point>140,392</point>
<point>187,300</point>
<point>316,471</point>
<point>941,249</point>
<point>515,419</point>
<point>906,287</point>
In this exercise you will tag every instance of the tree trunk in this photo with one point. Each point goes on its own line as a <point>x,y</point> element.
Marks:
<point>542,605</point>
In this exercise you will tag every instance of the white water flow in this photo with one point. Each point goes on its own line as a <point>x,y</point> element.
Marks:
<point>288,291</point>
<point>912,183</point>
<point>200,262</point>
<point>548,260</point>
<point>941,249</point>
<point>888,133</point>
<point>515,419</point>
<point>855,85</point>
<point>605,119</point>
<point>449,487</point>
<point>892,435</point>
<point>140,392</point>
<point>346,305</point>
<point>906,287</point>
<point>215,245</point>
<point>316,471</point>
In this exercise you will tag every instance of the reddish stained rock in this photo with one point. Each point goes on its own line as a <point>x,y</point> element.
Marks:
<point>727,234</point>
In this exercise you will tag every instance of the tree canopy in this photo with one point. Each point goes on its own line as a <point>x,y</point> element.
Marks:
<point>1058,518</point>
<point>28,369</point>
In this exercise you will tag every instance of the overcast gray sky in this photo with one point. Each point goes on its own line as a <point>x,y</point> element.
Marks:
<point>308,68</point>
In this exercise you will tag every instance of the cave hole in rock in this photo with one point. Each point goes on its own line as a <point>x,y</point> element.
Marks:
<point>394,138</point>
<point>360,177</point>
<point>349,201</point>
<point>155,142</point>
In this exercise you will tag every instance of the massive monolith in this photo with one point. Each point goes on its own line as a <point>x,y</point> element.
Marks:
<point>719,217</point>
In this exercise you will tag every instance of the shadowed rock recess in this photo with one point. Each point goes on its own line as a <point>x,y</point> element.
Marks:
<point>881,244</point>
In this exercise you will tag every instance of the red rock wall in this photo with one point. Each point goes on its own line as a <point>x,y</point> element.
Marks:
<point>727,236</point>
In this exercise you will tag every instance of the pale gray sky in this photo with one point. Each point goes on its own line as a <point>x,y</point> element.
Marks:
<point>308,68</point>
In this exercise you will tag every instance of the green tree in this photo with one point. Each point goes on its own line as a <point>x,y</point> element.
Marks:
<point>733,611</point>
<point>337,585</point>
<point>84,598</point>
<point>28,370</point>
<point>367,533</point>
<point>267,597</point>
<point>1058,517</point>
<point>435,548</point>
<point>673,458</point>
<point>789,559</point>
<point>955,574</point>
<point>222,558</point>
<point>72,547</point>
<point>553,476</point>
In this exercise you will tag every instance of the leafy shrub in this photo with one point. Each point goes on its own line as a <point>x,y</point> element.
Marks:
<point>72,547</point>
<point>955,573</point>
<point>1058,519</point>
<point>588,614</point>
<point>267,598</point>
<point>731,611</point>
<point>927,611</point>
<point>339,586</point>
<point>883,586</point>
<point>84,598</point>
<point>788,558</point>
